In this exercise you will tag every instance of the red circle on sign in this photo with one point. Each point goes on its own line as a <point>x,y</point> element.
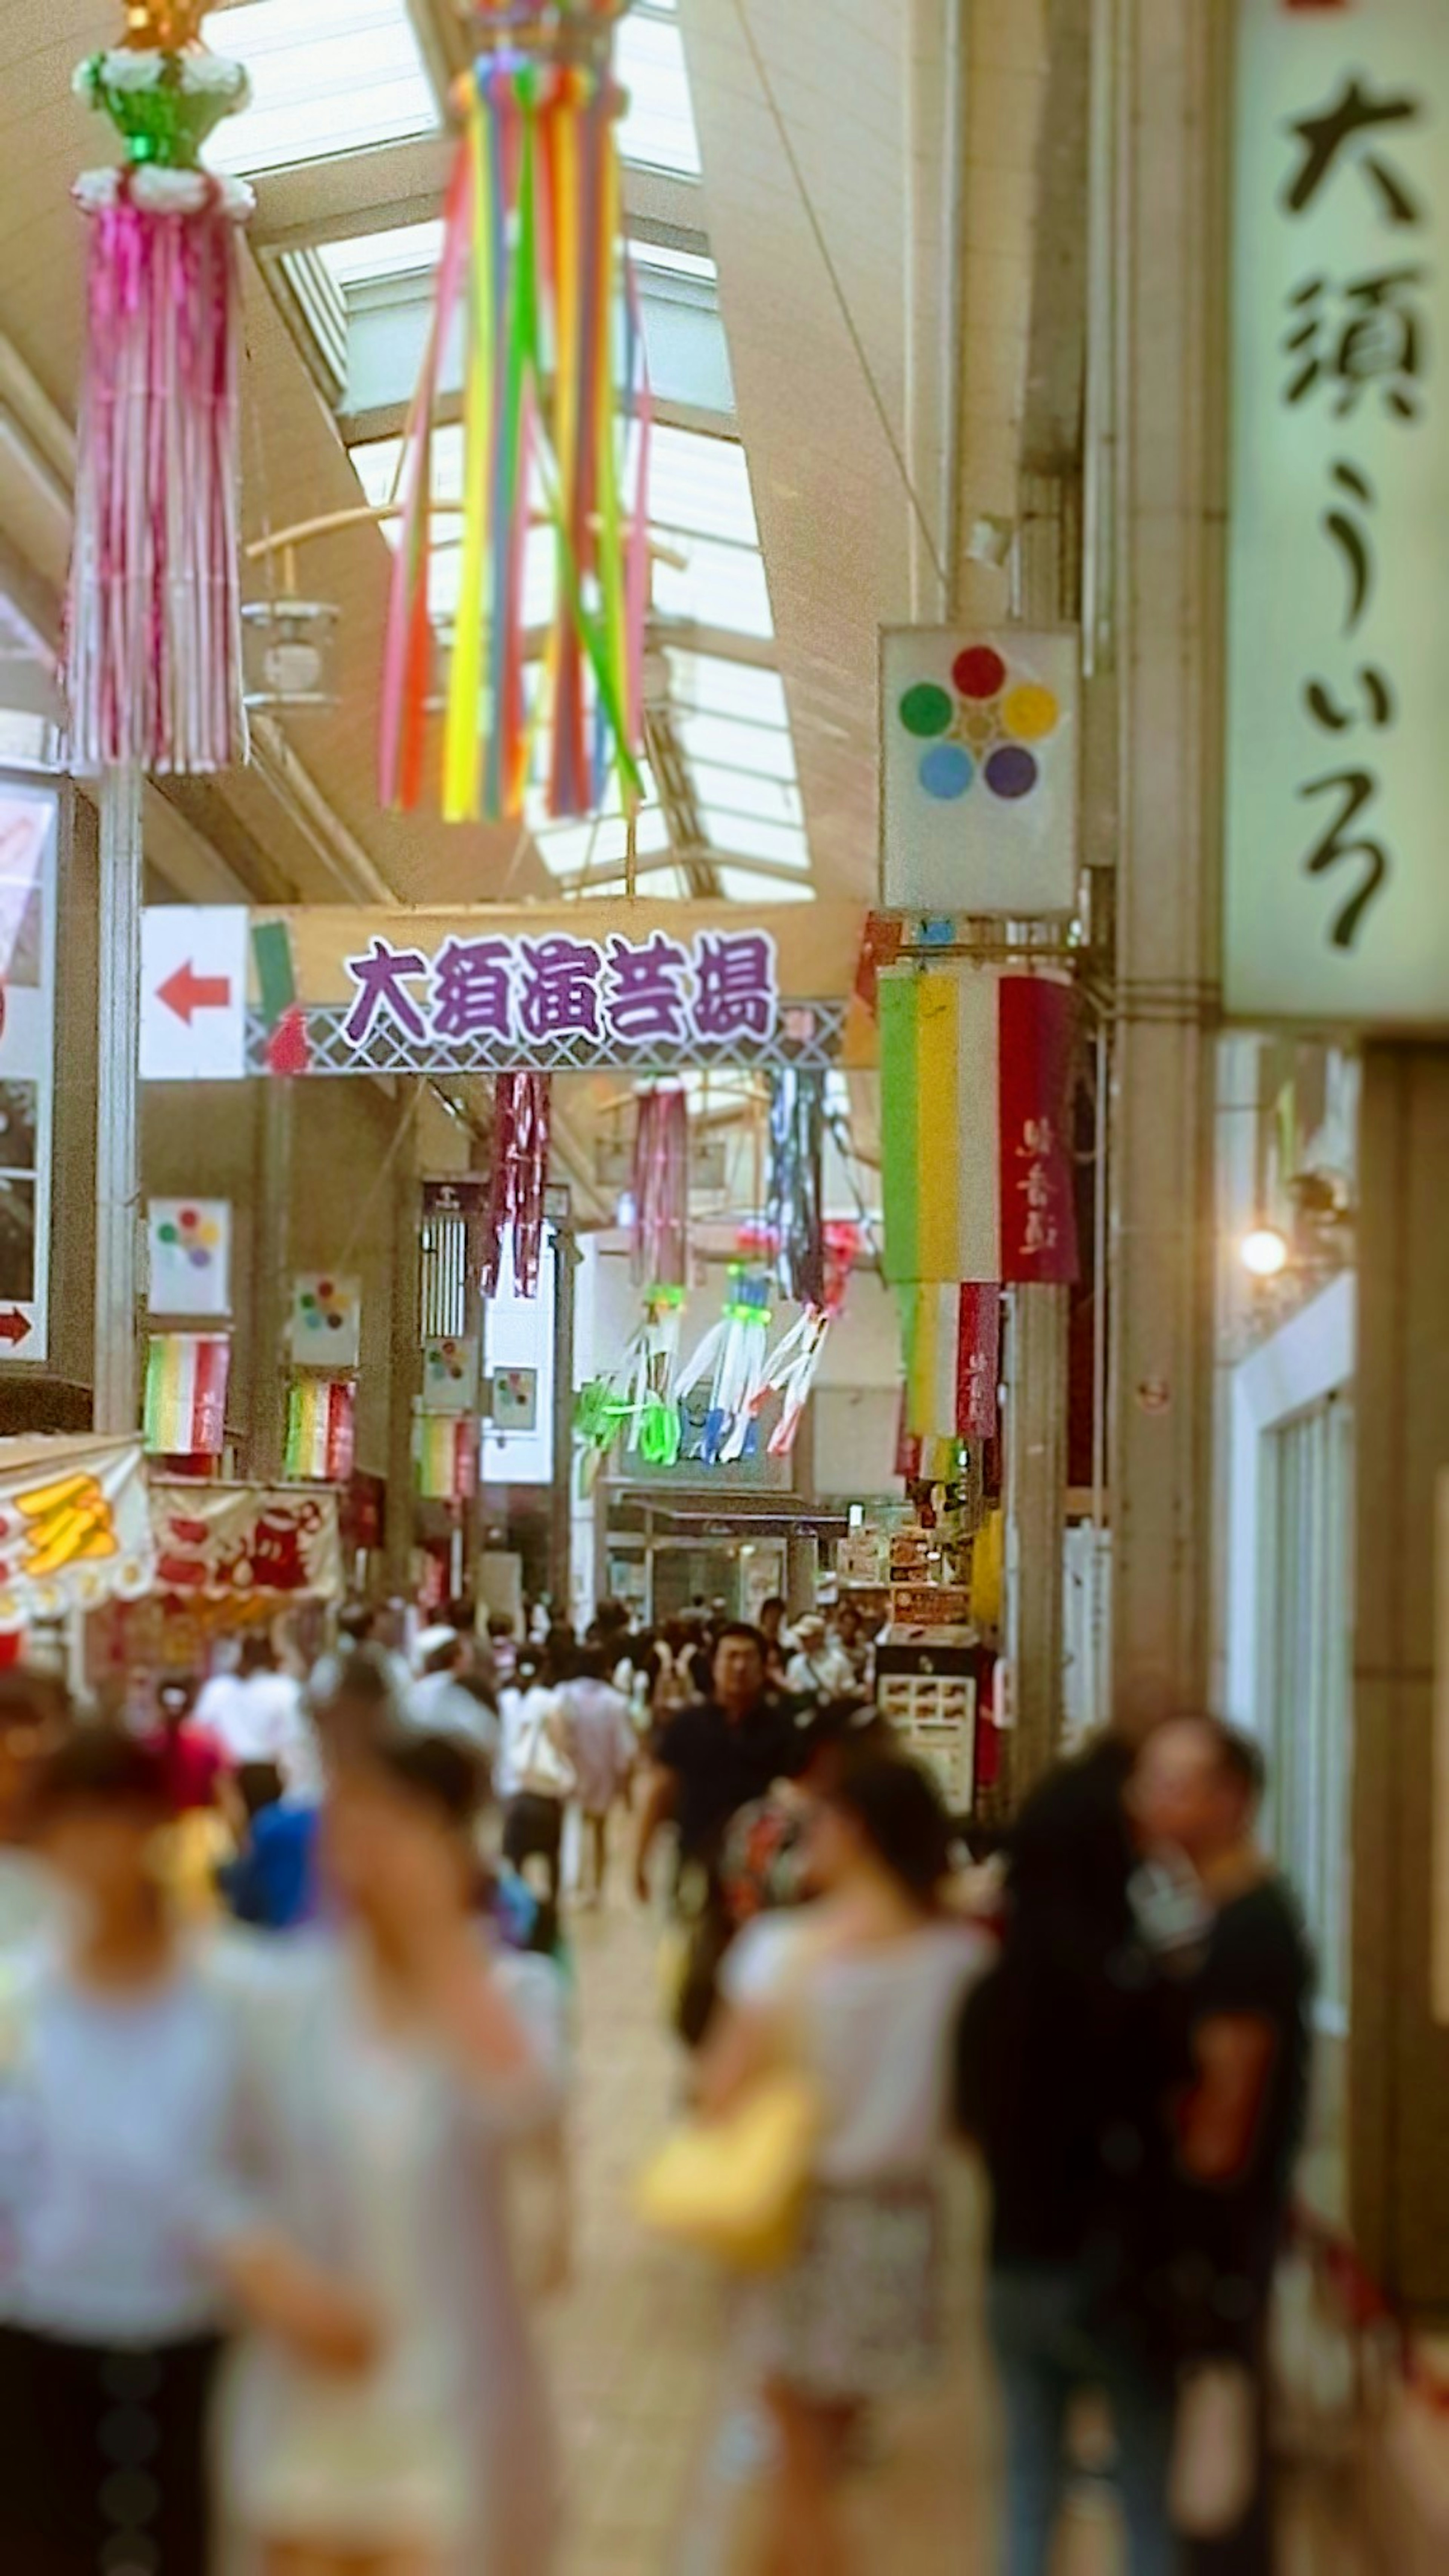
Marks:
<point>979,672</point>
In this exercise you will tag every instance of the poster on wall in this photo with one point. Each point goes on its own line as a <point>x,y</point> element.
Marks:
<point>325,1326</point>
<point>450,1377</point>
<point>29,827</point>
<point>980,731</point>
<point>1338,646</point>
<point>515,1399</point>
<point>188,1243</point>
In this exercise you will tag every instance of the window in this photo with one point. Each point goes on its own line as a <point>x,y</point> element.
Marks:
<point>331,77</point>
<point>1305,1665</point>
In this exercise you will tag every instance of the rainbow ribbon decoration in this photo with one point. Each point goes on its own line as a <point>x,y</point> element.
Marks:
<point>734,1357</point>
<point>533,268</point>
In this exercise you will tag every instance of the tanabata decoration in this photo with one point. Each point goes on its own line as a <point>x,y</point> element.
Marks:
<point>659,1238</point>
<point>153,659</point>
<point>794,1364</point>
<point>952,1339</point>
<point>732,1361</point>
<point>321,1430</point>
<point>534,280</point>
<point>519,1178</point>
<point>447,1458</point>
<point>637,1403</point>
<point>794,1211</point>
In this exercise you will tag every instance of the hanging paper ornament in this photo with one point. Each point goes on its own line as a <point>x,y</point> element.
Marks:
<point>791,1371</point>
<point>153,655</point>
<point>636,1402</point>
<point>321,1430</point>
<point>520,1174</point>
<point>794,1213</point>
<point>659,1237</point>
<point>731,1361</point>
<point>533,273</point>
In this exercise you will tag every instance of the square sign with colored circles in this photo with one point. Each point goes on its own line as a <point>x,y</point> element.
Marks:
<point>325,1331</point>
<point>189,1241</point>
<point>979,749</point>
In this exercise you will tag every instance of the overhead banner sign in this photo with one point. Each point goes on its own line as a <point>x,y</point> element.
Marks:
<point>1338,749</point>
<point>29,819</point>
<point>231,1542</point>
<point>581,987</point>
<point>75,1528</point>
<point>980,750</point>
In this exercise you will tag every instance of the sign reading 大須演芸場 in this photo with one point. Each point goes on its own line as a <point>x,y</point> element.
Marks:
<point>1337,895</point>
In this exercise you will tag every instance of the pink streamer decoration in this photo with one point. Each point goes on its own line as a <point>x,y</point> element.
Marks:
<point>520,1172</point>
<point>153,618</point>
<point>660,1239</point>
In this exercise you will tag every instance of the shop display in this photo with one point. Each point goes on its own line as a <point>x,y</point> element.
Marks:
<point>534,284</point>
<point>930,1695</point>
<point>153,620</point>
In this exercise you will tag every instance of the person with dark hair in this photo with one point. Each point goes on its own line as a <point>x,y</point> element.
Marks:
<point>535,1775</point>
<point>711,1760</point>
<point>389,2074</point>
<point>1246,1984</point>
<point>1064,2063</point>
<point>440,1702</point>
<point>600,1742</point>
<point>129,2237</point>
<point>256,1714</point>
<point>862,1989</point>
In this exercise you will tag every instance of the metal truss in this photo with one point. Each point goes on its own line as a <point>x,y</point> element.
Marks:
<point>807,1038</point>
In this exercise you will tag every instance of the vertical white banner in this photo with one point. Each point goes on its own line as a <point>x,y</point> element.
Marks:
<point>1338,697</point>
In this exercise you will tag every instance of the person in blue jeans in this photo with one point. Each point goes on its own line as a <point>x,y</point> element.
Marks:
<point>1064,2064</point>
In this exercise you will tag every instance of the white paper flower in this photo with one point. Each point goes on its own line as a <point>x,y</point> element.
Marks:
<point>159,191</point>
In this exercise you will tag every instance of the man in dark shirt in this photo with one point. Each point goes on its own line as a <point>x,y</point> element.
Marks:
<point>1246,2000</point>
<point>714,1758</point>
<point>711,1760</point>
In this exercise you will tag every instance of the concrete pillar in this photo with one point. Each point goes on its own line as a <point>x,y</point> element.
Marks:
<point>1399,2043</point>
<point>802,1572</point>
<point>271,1278</point>
<point>560,1552</point>
<point>1036,1490</point>
<point>118,1152</point>
<point>401,1473</point>
<point>1164,63</point>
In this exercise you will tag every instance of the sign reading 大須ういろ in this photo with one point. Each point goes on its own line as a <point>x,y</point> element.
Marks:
<point>1338,683</point>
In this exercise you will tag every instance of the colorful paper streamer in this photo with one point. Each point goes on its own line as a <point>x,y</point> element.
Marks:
<point>533,271</point>
<point>952,1349</point>
<point>518,1180</point>
<point>447,1459</point>
<point>794,1209</point>
<point>659,1235</point>
<point>153,648</point>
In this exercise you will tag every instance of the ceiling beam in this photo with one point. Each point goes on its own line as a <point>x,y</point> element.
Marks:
<point>391,184</point>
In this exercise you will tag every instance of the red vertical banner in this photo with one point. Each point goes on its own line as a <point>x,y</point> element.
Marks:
<point>1037,1043</point>
<point>978,1365</point>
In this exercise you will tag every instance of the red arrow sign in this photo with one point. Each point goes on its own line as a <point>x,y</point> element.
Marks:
<point>14,1327</point>
<point>186,992</point>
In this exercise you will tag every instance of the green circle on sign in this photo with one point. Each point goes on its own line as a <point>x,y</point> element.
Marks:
<point>925,710</point>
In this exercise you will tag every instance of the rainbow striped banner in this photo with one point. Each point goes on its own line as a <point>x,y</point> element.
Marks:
<point>952,1339</point>
<point>977,1071</point>
<point>447,1456</point>
<point>321,1430</point>
<point>186,1383</point>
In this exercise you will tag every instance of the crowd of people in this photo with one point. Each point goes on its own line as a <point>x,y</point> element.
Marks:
<point>286,2001</point>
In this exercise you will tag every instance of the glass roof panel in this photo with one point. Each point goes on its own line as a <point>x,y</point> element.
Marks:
<point>762,749</point>
<point>329,78</point>
<point>658,131</point>
<point>744,836</point>
<point>737,791</point>
<point>722,586</point>
<point>712,683</point>
<point>405,250</point>
<point>741,885</point>
<point>701,486</point>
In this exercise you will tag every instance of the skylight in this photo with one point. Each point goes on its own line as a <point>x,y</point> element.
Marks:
<point>331,77</point>
<point>658,131</point>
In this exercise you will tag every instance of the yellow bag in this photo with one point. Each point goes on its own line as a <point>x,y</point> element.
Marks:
<point>736,2187</point>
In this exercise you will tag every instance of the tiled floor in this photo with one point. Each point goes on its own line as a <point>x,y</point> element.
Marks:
<point>658,2478</point>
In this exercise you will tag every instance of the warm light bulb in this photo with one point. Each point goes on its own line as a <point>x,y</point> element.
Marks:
<point>1264,1252</point>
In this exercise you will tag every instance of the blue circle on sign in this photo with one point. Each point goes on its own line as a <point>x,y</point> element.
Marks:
<point>947,771</point>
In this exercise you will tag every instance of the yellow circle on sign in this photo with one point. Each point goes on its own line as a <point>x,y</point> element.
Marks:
<point>1031,712</point>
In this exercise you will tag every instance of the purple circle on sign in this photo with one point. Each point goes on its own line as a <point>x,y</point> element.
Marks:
<point>199,1260</point>
<point>1011,772</point>
<point>947,772</point>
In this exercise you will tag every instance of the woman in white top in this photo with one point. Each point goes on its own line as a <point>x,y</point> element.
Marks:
<point>391,2068</point>
<point>864,1988</point>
